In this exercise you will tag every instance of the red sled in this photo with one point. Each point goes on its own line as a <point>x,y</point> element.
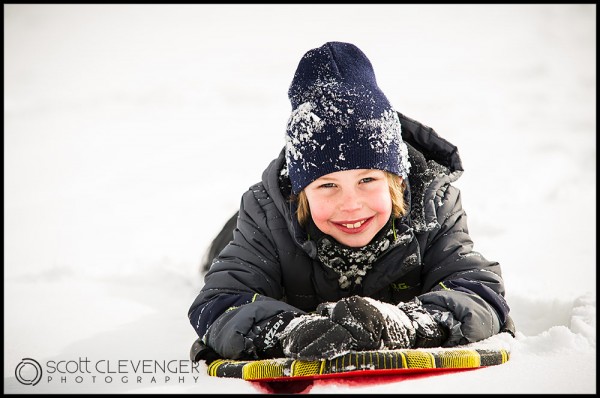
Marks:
<point>363,363</point>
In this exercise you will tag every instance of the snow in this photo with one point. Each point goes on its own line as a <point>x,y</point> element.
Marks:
<point>131,131</point>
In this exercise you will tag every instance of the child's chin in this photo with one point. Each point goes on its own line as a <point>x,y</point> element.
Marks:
<point>355,241</point>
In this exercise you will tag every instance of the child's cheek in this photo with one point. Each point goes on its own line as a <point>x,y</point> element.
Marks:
<point>320,213</point>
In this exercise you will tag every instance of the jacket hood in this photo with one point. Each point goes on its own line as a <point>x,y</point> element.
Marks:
<point>434,163</point>
<point>433,147</point>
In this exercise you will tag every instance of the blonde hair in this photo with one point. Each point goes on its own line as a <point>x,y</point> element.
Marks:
<point>397,186</point>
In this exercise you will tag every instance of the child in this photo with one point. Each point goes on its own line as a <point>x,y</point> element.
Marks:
<point>354,240</point>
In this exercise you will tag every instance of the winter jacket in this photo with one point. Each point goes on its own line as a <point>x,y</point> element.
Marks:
<point>271,265</point>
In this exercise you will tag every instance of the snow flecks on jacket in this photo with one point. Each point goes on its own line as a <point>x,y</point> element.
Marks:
<point>470,254</point>
<point>410,261</point>
<point>419,181</point>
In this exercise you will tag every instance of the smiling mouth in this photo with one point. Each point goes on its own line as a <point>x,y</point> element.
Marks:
<point>355,225</point>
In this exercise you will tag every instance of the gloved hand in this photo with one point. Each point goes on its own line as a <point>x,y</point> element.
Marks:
<point>373,324</point>
<point>312,336</point>
<point>429,333</point>
<point>267,342</point>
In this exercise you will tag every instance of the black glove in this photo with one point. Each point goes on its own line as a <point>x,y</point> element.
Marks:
<point>267,341</point>
<point>200,351</point>
<point>312,336</point>
<point>429,333</point>
<point>373,324</point>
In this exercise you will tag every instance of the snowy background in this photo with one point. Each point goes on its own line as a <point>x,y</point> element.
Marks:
<point>130,132</point>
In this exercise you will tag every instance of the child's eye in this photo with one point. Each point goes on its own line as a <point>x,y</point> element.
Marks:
<point>367,179</point>
<point>327,185</point>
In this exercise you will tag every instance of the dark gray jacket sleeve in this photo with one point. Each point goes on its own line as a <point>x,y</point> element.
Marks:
<point>463,289</point>
<point>243,288</point>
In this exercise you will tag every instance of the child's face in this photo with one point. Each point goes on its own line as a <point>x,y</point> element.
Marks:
<point>351,205</point>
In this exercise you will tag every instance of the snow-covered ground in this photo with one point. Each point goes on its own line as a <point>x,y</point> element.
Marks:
<point>130,132</point>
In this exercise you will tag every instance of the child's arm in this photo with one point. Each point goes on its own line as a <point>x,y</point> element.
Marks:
<point>459,281</point>
<point>243,288</point>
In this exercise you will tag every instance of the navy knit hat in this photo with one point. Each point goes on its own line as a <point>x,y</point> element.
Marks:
<point>340,118</point>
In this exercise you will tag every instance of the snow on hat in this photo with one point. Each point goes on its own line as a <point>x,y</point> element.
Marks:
<point>340,118</point>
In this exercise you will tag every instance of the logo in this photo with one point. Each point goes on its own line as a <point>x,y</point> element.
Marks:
<point>271,333</point>
<point>400,286</point>
<point>28,372</point>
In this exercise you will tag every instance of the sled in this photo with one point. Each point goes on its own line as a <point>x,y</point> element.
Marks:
<point>363,363</point>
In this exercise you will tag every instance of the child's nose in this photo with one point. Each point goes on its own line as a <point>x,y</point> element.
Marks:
<point>350,201</point>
